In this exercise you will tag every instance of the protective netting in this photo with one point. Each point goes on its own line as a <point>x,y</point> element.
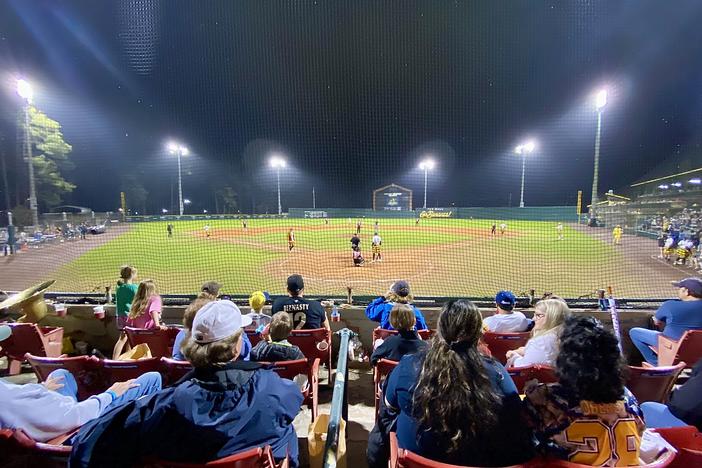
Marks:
<point>399,119</point>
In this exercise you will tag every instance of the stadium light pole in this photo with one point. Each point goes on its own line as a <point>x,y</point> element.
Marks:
<point>179,150</point>
<point>277,162</point>
<point>426,166</point>
<point>523,150</point>
<point>600,103</point>
<point>24,90</point>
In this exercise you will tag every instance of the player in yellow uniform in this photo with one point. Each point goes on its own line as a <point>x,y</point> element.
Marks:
<point>208,231</point>
<point>617,234</point>
<point>291,239</point>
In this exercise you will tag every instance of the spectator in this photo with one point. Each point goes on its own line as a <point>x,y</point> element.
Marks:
<point>684,407</point>
<point>542,348</point>
<point>379,309</point>
<point>208,292</point>
<point>304,314</point>
<point>505,319</point>
<point>677,316</point>
<point>453,405</point>
<point>124,295</point>
<point>188,317</point>
<point>47,410</point>
<point>146,307</point>
<point>256,301</point>
<point>223,406</point>
<point>407,340</point>
<point>576,418</point>
<point>276,346</point>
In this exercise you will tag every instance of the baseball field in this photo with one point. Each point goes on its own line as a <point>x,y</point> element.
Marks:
<point>440,257</point>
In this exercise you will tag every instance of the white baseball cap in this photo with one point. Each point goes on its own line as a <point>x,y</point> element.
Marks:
<point>218,320</point>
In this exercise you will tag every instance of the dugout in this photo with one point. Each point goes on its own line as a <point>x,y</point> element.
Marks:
<point>392,198</point>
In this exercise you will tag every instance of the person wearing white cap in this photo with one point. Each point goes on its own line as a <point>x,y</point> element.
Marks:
<point>49,409</point>
<point>222,407</point>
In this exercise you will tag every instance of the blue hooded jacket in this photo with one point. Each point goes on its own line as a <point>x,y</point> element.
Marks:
<point>379,311</point>
<point>209,414</point>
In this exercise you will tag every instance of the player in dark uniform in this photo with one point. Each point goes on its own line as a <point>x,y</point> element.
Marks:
<point>244,223</point>
<point>493,229</point>
<point>355,240</point>
<point>169,228</point>
<point>358,228</point>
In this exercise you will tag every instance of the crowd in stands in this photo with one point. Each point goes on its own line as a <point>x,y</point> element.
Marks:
<point>447,399</point>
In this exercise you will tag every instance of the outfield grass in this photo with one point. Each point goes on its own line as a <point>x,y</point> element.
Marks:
<point>440,257</point>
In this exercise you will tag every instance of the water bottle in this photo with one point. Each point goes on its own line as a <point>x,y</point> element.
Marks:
<point>335,315</point>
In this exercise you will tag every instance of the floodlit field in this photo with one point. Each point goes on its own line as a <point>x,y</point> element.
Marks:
<point>440,257</point>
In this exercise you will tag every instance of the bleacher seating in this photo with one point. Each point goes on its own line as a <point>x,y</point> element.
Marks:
<point>688,442</point>
<point>500,343</point>
<point>310,342</point>
<point>172,370</point>
<point>120,371</point>
<point>522,375</point>
<point>33,339</point>
<point>85,369</point>
<point>160,341</point>
<point>381,370</point>
<point>650,383</point>
<point>258,457</point>
<point>291,369</point>
<point>688,348</point>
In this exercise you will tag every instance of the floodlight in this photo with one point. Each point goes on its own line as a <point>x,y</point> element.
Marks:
<point>601,99</point>
<point>427,165</point>
<point>24,89</point>
<point>695,181</point>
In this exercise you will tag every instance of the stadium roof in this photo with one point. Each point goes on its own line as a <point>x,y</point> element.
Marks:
<point>680,164</point>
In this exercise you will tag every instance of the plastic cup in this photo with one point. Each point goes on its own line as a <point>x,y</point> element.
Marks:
<point>60,310</point>
<point>322,346</point>
<point>99,312</point>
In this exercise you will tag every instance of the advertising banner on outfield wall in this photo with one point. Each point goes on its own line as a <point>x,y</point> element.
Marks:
<point>437,213</point>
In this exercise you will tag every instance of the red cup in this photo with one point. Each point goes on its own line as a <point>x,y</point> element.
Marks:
<point>99,312</point>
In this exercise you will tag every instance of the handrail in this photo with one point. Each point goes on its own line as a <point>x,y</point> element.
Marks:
<point>339,401</point>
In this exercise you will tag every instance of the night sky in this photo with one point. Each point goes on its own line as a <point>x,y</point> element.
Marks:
<point>354,94</point>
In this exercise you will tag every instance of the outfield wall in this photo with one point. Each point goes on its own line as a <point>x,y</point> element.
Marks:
<point>566,214</point>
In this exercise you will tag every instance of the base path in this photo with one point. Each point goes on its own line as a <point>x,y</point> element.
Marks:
<point>35,265</point>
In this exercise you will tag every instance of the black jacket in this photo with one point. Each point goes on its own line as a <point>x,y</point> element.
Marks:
<point>686,401</point>
<point>396,346</point>
<point>274,352</point>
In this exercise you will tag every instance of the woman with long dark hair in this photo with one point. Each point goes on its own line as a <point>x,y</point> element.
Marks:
<point>453,404</point>
<point>588,417</point>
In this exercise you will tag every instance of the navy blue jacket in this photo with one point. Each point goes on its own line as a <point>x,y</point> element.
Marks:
<point>209,414</point>
<point>396,346</point>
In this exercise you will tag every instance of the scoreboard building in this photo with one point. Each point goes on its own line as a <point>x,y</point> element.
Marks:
<point>392,198</point>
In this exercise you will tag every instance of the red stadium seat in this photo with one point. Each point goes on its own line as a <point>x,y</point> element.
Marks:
<point>172,370</point>
<point>254,337</point>
<point>382,333</point>
<point>688,348</point>
<point>500,343</point>
<point>120,371</point>
<point>522,375</point>
<point>18,449</point>
<point>291,369</point>
<point>653,383</point>
<point>85,369</point>
<point>33,339</point>
<point>253,458</point>
<point>309,343</point>
<point>160,341</point>
<point>381,370</point>
<point>688,441</point>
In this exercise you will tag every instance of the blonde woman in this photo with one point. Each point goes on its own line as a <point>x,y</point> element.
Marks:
<point>542,348</point>
<point>379,309</point>
<point>146,307</point>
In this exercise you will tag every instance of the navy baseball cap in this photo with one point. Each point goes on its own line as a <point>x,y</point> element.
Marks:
<point>401,288</point>
<point>505,300</point>
<point>295,283</point>
<point>693,285</point>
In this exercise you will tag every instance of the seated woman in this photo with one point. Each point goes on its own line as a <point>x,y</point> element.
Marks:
<point>454,405</point>
<point>577,418</point>
<point>222,407</point>
<point>542,348</point>
<point>407,341</point>
<point>275,346</point>
<point>379,309</point>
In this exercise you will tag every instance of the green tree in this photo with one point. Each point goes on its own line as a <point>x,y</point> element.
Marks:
<point>135,192</point>
<point>228,198</point>
<point>47,140</point>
